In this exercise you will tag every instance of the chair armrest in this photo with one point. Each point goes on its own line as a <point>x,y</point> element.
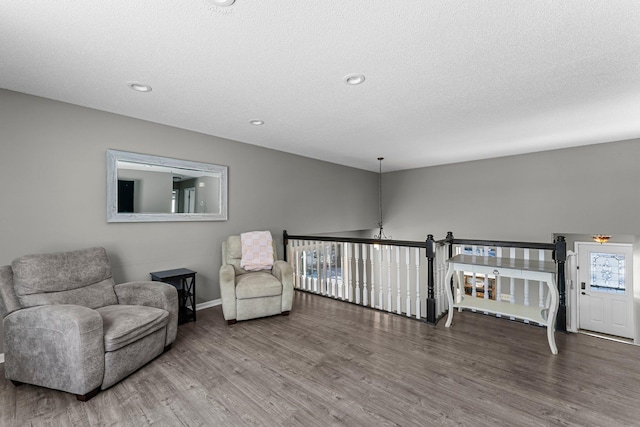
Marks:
<point>284,273</point>
<point>152,294</point>
<point>55,346</point>
<point>228,291</point>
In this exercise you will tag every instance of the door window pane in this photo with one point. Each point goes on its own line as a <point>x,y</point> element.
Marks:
<point>607,272</point>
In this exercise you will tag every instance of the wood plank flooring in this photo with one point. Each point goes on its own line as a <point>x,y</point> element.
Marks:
<point>333,363</point>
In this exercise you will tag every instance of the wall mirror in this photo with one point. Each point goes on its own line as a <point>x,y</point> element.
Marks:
<point>141,187</point>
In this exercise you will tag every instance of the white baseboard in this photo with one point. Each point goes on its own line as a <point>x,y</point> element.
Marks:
<point>200,306</point>
<point>208,304</point>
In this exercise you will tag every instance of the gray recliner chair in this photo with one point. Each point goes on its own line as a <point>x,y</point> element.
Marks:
<point>252,294</point>
<point>69,327</point>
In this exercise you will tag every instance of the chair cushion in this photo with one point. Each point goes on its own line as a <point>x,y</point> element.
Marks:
<point>124,324</point>
<point>257,285</point>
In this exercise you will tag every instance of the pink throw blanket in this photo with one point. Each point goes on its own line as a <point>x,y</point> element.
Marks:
<point>257,251</point>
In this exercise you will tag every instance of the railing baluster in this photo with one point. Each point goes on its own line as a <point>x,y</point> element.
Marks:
<point>365,291</point>
<point>329,266</point>
<point>407,254</point>
<point>498,285</point>
<point>333,263</point>
<point>486,277</point>
<point>346,270</point>
<point>308,280</point>
<point>399,293</point>
<point>292,261</point>
<point>318,285</point>
<point>512,282</point>
<point>372,302</point>
<point>349,253</point>
<point>291,249</point>
<point>299,259</point>
<point>474,278</point>
<point>418,302</point>
<point>389,282</point>
<point>541,285</point>
<point>322,274</point>
<point>526,283</point>
<point>325,282</point>
<point>303,267</point>
<point>333,259</point>
<point>380,288</point>
<point>357,268</point>
<point>327,263</point>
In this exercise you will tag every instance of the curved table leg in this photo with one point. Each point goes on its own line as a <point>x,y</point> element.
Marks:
<point>447,285</point>
<point>551,318</point>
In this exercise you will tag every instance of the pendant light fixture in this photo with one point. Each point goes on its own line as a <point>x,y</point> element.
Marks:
<point>380,235</point>
<point>601,238</point>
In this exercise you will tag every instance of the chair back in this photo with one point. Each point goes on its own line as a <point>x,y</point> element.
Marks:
<point>80,277</point>
<point>8,300</point>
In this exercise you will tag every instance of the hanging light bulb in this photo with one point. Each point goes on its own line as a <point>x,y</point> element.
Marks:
<point>380,235</point>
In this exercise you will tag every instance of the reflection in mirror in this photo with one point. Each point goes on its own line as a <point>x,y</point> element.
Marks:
<point>150,188</point>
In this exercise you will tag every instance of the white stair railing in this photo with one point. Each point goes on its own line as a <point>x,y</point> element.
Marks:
<point>363,273</point>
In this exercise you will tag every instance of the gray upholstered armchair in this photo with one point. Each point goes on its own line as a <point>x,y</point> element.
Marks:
<point>252,294</point>
<point>69,327</point>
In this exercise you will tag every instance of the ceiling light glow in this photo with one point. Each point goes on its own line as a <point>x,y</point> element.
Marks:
<point>257,122</point>
<point>223,3</point>
<point>353,79</point>
<point>139,87</point>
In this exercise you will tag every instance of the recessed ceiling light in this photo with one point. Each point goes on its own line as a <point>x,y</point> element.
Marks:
<point>257,122</point>
<point>139,87</point>
<point>223,2</point>
<point>353,79</point>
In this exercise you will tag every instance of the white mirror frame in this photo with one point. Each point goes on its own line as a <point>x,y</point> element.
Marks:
<point>113,156</point>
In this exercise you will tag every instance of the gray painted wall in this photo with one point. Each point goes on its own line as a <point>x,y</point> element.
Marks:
<point>583,190</point>
<point>57,153</point>
<point>576,191</point>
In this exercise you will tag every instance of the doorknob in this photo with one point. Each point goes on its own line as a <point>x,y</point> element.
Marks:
<point>584,293</point>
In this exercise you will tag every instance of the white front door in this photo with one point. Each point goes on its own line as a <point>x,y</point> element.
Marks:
<point>605,291</point>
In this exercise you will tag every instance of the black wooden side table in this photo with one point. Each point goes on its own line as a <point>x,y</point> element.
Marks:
<point>185,282</point>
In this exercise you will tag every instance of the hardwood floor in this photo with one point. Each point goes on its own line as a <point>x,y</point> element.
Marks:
<point>333,363</point>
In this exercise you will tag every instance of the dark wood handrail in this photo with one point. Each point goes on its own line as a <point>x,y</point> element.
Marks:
<point>407,243</point>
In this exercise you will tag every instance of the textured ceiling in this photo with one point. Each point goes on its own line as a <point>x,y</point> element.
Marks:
<point>446,81</point>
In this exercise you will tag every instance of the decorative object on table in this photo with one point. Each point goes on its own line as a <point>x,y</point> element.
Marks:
<point>69,327</point>
<point>252,294</point>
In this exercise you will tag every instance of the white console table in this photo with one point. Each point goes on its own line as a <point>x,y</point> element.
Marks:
<point>543,271</point>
